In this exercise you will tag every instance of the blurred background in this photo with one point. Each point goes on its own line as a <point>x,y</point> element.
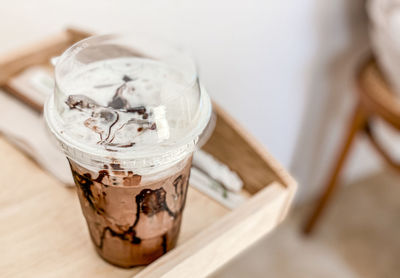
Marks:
<point>285,70</point>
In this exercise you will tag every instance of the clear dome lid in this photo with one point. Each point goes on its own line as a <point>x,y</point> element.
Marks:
<point>129,100</point>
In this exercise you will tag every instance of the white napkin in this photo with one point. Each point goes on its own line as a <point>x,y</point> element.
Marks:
<point>26,129</point>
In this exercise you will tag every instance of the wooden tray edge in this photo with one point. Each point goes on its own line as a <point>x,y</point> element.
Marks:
<point>214,246</point>
<point>285,177</point>
<point>33,53</point>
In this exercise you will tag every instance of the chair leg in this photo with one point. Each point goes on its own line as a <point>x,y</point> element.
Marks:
<point>357,122</point>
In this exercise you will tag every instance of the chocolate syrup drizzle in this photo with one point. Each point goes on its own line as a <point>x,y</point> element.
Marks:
<point>178,181</point>
<point>118,103</point>
<point>164,243</point>
<point>109,128</point>
<point>85,182</point>
<point>102,174</point>
<point>148,202</point>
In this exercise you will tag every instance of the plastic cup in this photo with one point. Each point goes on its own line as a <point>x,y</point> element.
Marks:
<point>128,114</point>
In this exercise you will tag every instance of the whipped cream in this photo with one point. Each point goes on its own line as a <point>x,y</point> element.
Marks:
<point>126,103</point>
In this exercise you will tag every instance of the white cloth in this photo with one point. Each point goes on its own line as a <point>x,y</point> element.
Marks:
<point>25,128</point>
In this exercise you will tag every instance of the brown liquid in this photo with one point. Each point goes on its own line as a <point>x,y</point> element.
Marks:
<point>131,222</point>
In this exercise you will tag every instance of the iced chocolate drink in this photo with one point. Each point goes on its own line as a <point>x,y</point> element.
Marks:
<point>132,222</point>
<point>128,124</point>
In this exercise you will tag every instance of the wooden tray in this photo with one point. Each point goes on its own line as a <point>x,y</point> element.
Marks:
<point>44,233</point>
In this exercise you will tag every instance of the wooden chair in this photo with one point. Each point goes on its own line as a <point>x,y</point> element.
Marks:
<point>375,98</point>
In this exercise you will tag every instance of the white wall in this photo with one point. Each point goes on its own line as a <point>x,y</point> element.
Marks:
<point>252,54</point>
<point>277,66</point>
<point>342,43</point>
